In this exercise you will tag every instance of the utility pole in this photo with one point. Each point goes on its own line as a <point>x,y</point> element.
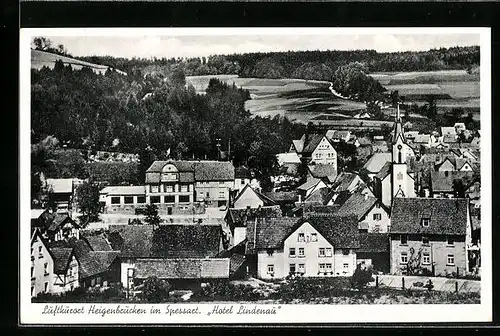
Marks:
<point>218,148</point>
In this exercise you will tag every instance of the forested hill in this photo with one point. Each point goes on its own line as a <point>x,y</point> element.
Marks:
<point>302,64</point>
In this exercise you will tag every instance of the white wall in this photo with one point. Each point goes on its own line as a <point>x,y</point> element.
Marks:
<point>125,265</point>
<point>240,233</point>
<point>382,224</point>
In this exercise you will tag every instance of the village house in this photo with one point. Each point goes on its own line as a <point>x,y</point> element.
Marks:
<point>54,226</point>
<point>376,162</point>
<point>430,234</point>
<point>315,148</point>
<point>289,162</point>
<point>250,198</point>
<point>53,270</point>
<point>244,176</point>
<point>60,193</point>
<point>285,199</point>
<point>374,251</point>
<point>182,254</point>
<point>442,183</point>
<point>325,172</point>
<point>372,215</point>
<point>309,187</point>
<point>310,247</point>
<point>338,136</point>
<point>122,199</point>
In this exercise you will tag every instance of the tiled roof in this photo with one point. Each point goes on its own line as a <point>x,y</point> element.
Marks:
<point>62,257</point>
<point>91,262</point>
<point>214,171</point>
<point>384,171</point>
<point>235,262</point>
<point>239,217</point>
<point>186,241</point>
<point>132,241</point>
<point>60,185</point>
<point>97,243</point>
<point>56,220</point>
<point>182,166</point>
<point>309,184</point>
<point>182,268</point>
<point>340,231</point>
<point>268,232</point>
<point>323,171</point>
<point>357,205</point>
<point>284,158</point>
<point>282,196</point>
<point>244,172</point>
<point>373,242</point>
<point>314,209</point>
<point>314,140</point>
<point>343,180</point>
<point>124,190</point>
<point>443,181</point>
<point>422,139</point>
<point>447,216</point>
<point>320,196</point>
<point>377,161</point>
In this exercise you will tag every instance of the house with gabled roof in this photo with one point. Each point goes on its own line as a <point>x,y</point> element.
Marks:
<point>143,247</point>
<point>244,176</point>
<point>56,226</point>
<point>372,215</point>
<point>325,172</point>
<point>309,187</point>
<point>315,148</point>
<point>376,162</point>
<point>60,193</point>
<point>314,246</point>
<point>431,234</point>
<point>374,251</point>
<point>248,197</point>
<point>122,199</point>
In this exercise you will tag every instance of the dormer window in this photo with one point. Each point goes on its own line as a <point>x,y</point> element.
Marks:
<point>270,252</point>
<point>425,222</point>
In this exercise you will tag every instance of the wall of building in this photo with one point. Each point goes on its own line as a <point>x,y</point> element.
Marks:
<point>438,250</point>
<point>213,192</point>
<point>276,259</point>
<point>386,191</point>
<point>240,233</point>
<point>324,153</point>
<point>67,282</point>
<point>374,225</point>
<point>345,262</point>
<point>41,280</point>
<point>125,265</point>
<point>248,199</point>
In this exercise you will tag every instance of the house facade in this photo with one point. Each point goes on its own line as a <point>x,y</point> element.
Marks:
<point>122,199</point>
<point>430,234</point>
<point>42,266</point>
<point>315,149</point>
<point>250,198</point>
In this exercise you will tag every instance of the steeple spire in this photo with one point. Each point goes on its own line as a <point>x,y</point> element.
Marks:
<point>398,128</point>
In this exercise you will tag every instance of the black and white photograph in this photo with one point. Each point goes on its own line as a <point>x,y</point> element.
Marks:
<point>260,175</point>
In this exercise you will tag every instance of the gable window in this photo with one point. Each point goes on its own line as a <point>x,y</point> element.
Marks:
<point>221,194</point>
<point>425,240</point>
<point>345,252</point>
<point>115,200</point>
<point>301,237</point>
<point>450,260</point>
<point>321,252</point>
<point>169,188</point>
<point>400,176</point>
<point>32,290</point>
<point>377,216</point>
<point>129,199</point>
<point>45,268</point>
<point>328,267</point>
<point>404,240</point>
<point>404,257</point>
<point>426,258</point>
<point>154,189</point>
<point>292,268</point>
<point>301,252</point>
<point>314,237</point>
<point>184,188</point>
<point>291,252</point>
<point>425,222</point>
<point>302,268</point>
<point>328,252</point>
<point>32,271</point>
<point>270,269</point>
<point>270,252</point>
<point>70,273</point>
<point>450,241</point>
<point>40,255</point>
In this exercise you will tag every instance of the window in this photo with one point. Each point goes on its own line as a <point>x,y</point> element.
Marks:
<point>46,287</point>
<point>169,199</point>
<point>321,252</point>
<point>328,267</point>
<point>314,237</point>
<point>302,268</point>
<point>425,222</point>
<point>208,194</point>
<point>404,239</point>
<point>242,182</point>
<point>46,268</point>
<point>184,188</point>
<point>321,268</point>
<point>270,269</point>
<point>32,290</point>
<point>301,252</point>
<point>426,258</point>
<point>301,237</point>
<point>129,199</point>
<point>292,252</point>
<point>377,205</point>
<point>169,188</point>
<point>404,257</point>
<point>270,252</point>
<point>377,216</point>
<point>450,260</point>
<point>184,199</point>
<point>292,268</point>
<point>141,199</point>
<point>425,240</point>
<point>32,271</point>
<point>346,266</point>
<point>328,251</point>
<point>154,189</point>
<point>450,241</point>
<point>155,199</point>
<point>400,176</point>
<point>70,271</point>
<point>39,250</point>
<point>345,252</point>
<point>115,200</point>
<point>222,194</point>
<point>32,250</point>
<point>221,183</point>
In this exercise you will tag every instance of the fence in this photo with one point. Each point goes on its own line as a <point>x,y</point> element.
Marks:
<point>419,282</point>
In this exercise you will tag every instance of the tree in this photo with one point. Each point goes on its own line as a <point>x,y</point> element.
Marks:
<point>361,277</point>
<point>155,290</point>
<point>152,217</point>
<point>87,196</point>
<point>42,43</point>
<point>458,188</point>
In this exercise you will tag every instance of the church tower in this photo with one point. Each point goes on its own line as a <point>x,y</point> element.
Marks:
<point>402,182</point>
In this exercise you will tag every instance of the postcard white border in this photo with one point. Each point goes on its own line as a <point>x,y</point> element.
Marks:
<point>31,313</point>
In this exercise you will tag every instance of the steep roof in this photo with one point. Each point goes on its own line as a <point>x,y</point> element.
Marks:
<point>239,217</point>
<point>340,231</point>
<point>242,172</point>
<point>357,204</point>
<point>343,180</point>
<point>182,166</point>
<point>182,268</point>
<point>97,243</point>
<point>53,221</point>
<point>447,216</point>
<point>320,196</point>
<point>247,188</point>
<point>214,171</point>
<point>62,257</point>
<point>373,242</point>
<point>309,184</point>
<point>443,181</point>
<point>124,190</point>
<point>323,171</point>
<point>314,140</point>
<point>282,196</point>
<point>384,171</point>
<point>60,185</point>
<point>132,241</point>
<point>267,232</point>
<point>377,161</point>
<point>299,145</point>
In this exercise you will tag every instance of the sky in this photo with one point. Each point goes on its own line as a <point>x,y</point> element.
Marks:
<point>198,45</point>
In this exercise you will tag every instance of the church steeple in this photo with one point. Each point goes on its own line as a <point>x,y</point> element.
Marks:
<point>398,131</point>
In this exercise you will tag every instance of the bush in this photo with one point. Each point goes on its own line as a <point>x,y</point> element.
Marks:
<point>155,290</point>
<point>223,290</point>
<point>361,277</point>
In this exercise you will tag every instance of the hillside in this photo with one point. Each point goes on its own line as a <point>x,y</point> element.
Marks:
<point>39,59</point>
